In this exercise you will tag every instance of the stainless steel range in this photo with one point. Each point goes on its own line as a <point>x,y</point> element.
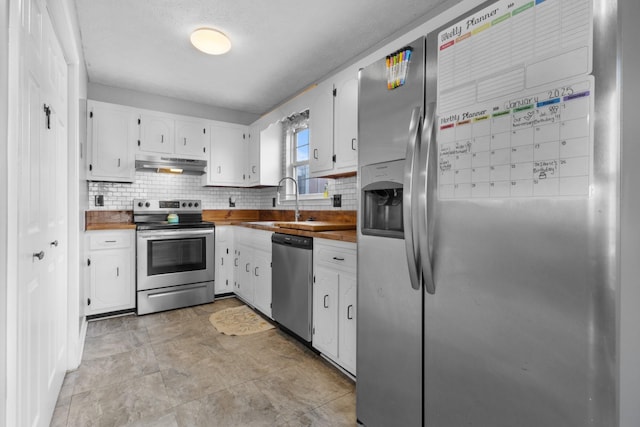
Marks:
<point>174,255</point>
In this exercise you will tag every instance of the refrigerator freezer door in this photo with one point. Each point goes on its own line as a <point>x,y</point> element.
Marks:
<point>389,343</point>
<point>384,115</point>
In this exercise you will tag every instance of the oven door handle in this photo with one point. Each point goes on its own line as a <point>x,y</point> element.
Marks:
<point>173,233</point>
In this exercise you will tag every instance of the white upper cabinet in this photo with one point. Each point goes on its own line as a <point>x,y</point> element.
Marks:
<point>346,124</point>
<point>265,155</point>
<point>192,137</point>
<point>156,133</point>
<point>227,156</point>
<point>321,130</point>
<point>333,124</point>
<point>113,134</point>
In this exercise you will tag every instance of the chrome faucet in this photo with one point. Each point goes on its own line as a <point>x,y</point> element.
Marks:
<point>295,183</point>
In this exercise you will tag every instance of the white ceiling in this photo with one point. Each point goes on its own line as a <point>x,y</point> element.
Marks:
<point>279,47</point>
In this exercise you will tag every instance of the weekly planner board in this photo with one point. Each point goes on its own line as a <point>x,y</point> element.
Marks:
<point>515,101</point>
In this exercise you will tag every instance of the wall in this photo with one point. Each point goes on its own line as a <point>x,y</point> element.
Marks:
<point>629,374</point>
<point>150,185</point>
<point>166,104</point>
<point>4,95</point>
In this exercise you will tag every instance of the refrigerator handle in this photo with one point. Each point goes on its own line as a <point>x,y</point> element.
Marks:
<point>425,199</point>
<point>409,195</point>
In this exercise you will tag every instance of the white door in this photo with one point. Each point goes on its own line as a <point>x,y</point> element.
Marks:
<point>325,311</point>
<point>42,287</point>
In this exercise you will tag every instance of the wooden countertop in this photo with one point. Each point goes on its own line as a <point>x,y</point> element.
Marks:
<point>342,235</point>
<point>261,220</point>
<point>110,226</point>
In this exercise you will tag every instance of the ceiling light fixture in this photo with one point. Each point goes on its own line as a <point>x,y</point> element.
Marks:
<point>210,41</point>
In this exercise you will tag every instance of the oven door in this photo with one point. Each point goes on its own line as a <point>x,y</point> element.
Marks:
<point>174,257</point>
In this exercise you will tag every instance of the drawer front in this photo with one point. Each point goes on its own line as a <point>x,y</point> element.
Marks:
<point>110,240</point>
<point>336,257</point>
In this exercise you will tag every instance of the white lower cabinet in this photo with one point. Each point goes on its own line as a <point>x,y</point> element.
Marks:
<point>334,301</point>
<point>252,268</point>
<point>224,260</point>
<point>111,261</point>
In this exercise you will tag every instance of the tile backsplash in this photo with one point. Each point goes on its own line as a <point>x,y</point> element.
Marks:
<point>150,185</point>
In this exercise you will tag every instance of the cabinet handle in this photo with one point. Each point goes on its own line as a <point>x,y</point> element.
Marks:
<point>109,241</point>
<point>117,271</point>
<point>246,268</point>
<point>235,262</point>
<point>54,243</point>
<point>162,139</point>
<point>39,255</point>
<point>338,258</point>
<point>325,303</point>
<point>349,314</point>
<point>221,261</point>
<point>185,141</point>
<point>219,169</point>
<point>253,169</point>
<point>315,153</point>
<point>255,272</point>
<point>118,162</point>
<point>353,144</point>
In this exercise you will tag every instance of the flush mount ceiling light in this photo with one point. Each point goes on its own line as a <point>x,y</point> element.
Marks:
<point>210,41</point>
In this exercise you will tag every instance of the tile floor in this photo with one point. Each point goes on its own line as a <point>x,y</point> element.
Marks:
<point>175,369</point>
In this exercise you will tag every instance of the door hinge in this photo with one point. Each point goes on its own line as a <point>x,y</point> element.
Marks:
<point>88,301</point>
<point>334,158</point>
<point>88,262</point>
<point>91,114</point>
<point>335,92</point>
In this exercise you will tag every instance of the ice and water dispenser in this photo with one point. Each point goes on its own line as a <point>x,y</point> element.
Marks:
<point>381,197</point>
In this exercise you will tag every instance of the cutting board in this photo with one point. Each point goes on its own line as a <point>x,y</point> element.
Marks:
<point>315,225</point>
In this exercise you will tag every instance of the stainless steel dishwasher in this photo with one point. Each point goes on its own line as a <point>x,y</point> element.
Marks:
<point>291,282</point>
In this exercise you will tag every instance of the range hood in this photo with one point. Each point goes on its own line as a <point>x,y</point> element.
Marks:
<point>168,164</point>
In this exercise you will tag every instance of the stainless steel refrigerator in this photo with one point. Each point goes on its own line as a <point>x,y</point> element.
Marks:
<point>487,239</point>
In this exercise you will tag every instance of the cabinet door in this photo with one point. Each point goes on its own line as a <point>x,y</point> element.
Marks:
<point>346,126</point>
<point>228,156</point>
<point>253,156</point>
<point>110,286</point>
<point>262,281</point>
<point>224,260</point>
<point>244,274</point>
<point>113,133</point>
<point>321,130</point>
<point>325,312</point>
<point>192,138</point>
<point>347,323</point>
<point>156,133</point>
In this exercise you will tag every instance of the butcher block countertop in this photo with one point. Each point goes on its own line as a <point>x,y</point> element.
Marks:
<point>333,225</point>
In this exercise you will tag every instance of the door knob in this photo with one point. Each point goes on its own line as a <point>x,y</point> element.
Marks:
<point>39,255</point>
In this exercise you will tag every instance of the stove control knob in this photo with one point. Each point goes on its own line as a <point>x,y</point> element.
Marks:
<point>196,204</point>
<point>140,204</point>
<point>147,204</point>
<point>184,205</point>
<point>190,204</point>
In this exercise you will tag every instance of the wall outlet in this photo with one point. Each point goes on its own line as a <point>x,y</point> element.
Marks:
<point>100,200</point>
<point>337,200</point>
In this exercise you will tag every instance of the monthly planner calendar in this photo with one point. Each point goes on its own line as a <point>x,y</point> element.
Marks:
<point>515,101</point>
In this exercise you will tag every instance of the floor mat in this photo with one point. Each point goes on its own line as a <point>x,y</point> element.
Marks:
<point>239,321</point>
